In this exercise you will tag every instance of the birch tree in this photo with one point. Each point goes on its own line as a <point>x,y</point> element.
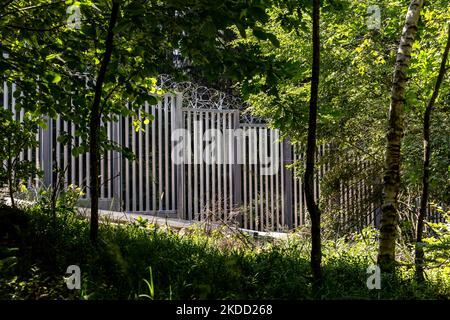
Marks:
<point>391,181</point>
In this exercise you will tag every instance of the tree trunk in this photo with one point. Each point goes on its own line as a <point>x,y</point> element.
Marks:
<point>419,254</point>
<point>389,214</point>
<point>94,125</point>
<point>10,173</point>
<point>10,183</point>
<point>313,209</point>
<point>55,179</point>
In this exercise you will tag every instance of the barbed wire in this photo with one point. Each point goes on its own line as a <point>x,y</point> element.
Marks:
<point>196,96</point>
<point>201,97</point>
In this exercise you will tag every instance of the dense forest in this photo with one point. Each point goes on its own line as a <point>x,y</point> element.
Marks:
<point>368,80</point>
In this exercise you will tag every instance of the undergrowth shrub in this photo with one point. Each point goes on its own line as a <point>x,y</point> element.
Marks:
<point>194,264</point>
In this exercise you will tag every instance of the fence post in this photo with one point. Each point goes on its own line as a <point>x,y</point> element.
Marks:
<point>237,166</point>
<point>47,153</point>
<point>116,172</point>
<point>287,181</point>
<point>180,175</point>
<point>5,95</point>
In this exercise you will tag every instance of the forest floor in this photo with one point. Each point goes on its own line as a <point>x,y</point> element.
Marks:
<point>142,260</point>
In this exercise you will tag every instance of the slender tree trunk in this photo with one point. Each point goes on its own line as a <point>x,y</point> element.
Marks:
<point>55,177</point>
<point>94,125</point>
<point>389,214</point>
<point>419,257</point>
<point>9,165</point>
<point>10,183</point>
<point>313,209</point>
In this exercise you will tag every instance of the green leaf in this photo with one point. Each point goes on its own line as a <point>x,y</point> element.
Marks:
<point>241,29</point>
<point>273,39</point>
<point>260,34</point>
<point>56,78</point>
<point>76,151</point>
<point>152,100</point>
<point>208,28</point>
<point>51,56</point>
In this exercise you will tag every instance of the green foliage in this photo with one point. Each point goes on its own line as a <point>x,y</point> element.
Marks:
<point>192,264</point>
<point>151,287</point>
<point>437,246</point>
<point>423,73</point>
<point>354,93</point>
<point>55,66</point>
<point>13,223</point>
<point>263,47</point>
<point>66,199</point>
<point>16,137</point>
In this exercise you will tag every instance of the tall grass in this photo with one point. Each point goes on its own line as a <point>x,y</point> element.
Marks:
<point>191,265</point>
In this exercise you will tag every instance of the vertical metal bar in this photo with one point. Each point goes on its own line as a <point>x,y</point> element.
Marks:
<point>261,179</point>
<point>160,157</point>
<point>219,164</point>
<point>173,190</point>
<point>21,115</point>
<point>361,191</point>
<point>178,112</point>
<point>296,199</point>
<point>88,172</point>
<point>201,171</point>
<point>102,171</point>
<point>147,161</point>
<point>80,169</point>
<point>315,177</point>
<point>230,159</point>
<point>350,198</point>
<point>277,182</point>
<point>255,177</point>
<point>58,146</point>
<point>66,156</point>
<point>30,158</point>
<point>271,178</point>
<point>251,156</point>
<point>154,160</point>
<point>347,203</point>
<point>196,163</point>
<point>287,173</point>
<point>264,151</point>
<point>109,159</point>
<point>243,149</point>
<point>13,102</point>
<point>190,164</point>
<point>166,149</point>
<point>5,95</point>
<point>224,166</point>
<point>47,156</point>
<point>320,171</point>
<point>72,158</point>
<point>208,165</point>
<point>213,168</point>
<point>301,193</point>
<point>38,159</point>
<point>117,166</point>
<point>107,166</point>
<point>133,179</point>
<point>127,166</point>
<point>236,180</point>
<point>141,168</point>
